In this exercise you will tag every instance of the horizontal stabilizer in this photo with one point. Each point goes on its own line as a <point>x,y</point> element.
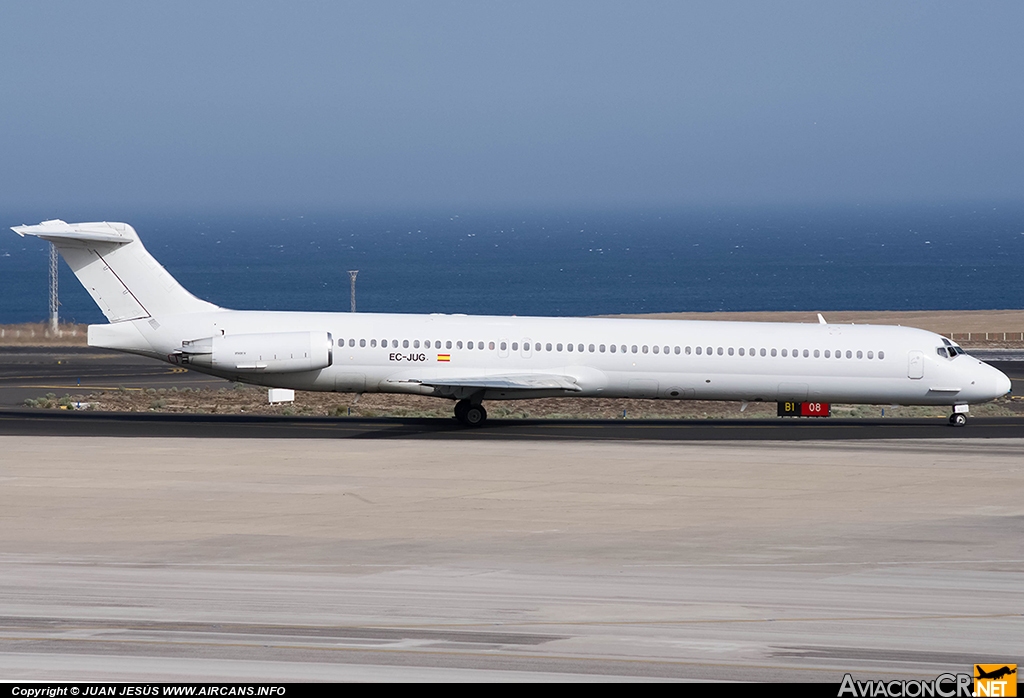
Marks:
<point>58,230</point>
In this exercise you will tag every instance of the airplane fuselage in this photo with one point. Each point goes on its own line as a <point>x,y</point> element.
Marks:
<point>602,357</point>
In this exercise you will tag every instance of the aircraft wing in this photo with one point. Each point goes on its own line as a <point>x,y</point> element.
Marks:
<point>526,382</point>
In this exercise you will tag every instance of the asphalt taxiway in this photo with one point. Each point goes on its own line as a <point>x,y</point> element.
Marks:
<point>324,559</point>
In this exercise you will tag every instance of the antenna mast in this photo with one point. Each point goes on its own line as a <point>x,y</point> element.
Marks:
<point>352,275</point>
<point>53,289</point>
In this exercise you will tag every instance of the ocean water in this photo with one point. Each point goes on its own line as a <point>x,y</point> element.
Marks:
<point>967,256</point>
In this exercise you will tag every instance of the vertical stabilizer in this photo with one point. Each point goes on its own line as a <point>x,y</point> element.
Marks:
<point>117,271</point>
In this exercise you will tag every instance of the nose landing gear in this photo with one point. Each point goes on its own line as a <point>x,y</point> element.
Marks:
<point>958,419</point>
<point>470,414</point>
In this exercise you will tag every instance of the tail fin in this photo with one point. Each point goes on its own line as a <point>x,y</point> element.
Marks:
<point>117,271</point>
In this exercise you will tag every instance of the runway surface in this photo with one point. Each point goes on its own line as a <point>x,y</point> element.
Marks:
<point>31,372</point>
<point>285,559</point>
<point>27,422</point>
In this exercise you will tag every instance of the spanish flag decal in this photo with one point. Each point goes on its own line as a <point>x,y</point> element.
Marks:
<point>444,357</point>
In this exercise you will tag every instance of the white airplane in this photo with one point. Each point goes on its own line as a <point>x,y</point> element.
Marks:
<point>469,359</point>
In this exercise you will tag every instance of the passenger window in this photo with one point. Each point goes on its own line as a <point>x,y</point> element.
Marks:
<point>699,350</point>
<point>860,355</point>
<point>730,351</point>
<point>458,345</point>
<point>871,354</point>
<point>415,344</point>
<point>752,351</point>
<point>655,348</point>
<point>839,353</point>
<point>741,351</point>
<point>579,347</point>
<point>490,345</point>
<point>373,343</point>
<point>817,353</point>
<point>362,343</point>
<point>687,350</point>
<point>448,344</point>
<point>612,348</point>
<point>601,348</point>
<point>568,347</point>
<point>881,355</point>
<point>547,347</point>
<point>774,352</point>
<point>677,349</point>
<point>504,346</point>
<point>643,349</point>
<point>591,348</point>
<point>806,353</point>
<point>849,354</point>
<point>796,353</point>
<point>536,347</point>
<point>623,348</point>
<point>515,346</point>
<point>783,352</point>
<point>558,347</point>
<point>341,342</point>
<point>351,342</point>
<point>634,349</point>
<point>708,351</point>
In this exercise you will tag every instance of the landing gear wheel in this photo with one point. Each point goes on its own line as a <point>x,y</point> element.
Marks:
<point>958,420</point>
<point>474,416</point>
<point>460,410</point>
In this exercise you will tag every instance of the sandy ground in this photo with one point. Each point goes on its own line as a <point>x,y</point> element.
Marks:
<point>262,559</point>
<point>940,321</point>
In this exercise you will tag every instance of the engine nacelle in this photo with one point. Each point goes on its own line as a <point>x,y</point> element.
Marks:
<point>271,352</point>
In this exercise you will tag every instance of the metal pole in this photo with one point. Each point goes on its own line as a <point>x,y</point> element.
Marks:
<point>53,289</point>
<point>352,276</point>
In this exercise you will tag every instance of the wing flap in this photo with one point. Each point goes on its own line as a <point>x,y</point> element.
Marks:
<point>533,381</point>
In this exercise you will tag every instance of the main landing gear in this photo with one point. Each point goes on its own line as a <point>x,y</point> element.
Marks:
<point>470,414</point>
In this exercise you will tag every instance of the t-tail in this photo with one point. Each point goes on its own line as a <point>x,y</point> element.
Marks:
<point>117,271</point>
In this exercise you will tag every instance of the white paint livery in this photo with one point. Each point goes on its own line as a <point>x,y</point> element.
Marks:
<point>476,358</point>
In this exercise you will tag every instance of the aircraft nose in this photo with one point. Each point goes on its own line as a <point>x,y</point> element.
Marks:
<point>1003,383</point>
<point>995,380</point>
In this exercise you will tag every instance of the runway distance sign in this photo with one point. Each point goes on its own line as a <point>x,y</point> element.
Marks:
<point>805,409</point>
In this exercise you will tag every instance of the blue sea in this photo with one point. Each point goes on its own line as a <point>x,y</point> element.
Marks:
<point>965,256</point>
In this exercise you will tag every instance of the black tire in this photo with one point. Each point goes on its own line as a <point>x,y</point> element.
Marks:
<point>474,416</point>
<point>958,420</point>
<point>460,410</point>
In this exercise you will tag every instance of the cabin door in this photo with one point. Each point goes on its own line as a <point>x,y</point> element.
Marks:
<point>915,365</point>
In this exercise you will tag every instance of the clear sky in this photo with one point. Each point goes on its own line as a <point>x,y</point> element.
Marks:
<point>193,105</point>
